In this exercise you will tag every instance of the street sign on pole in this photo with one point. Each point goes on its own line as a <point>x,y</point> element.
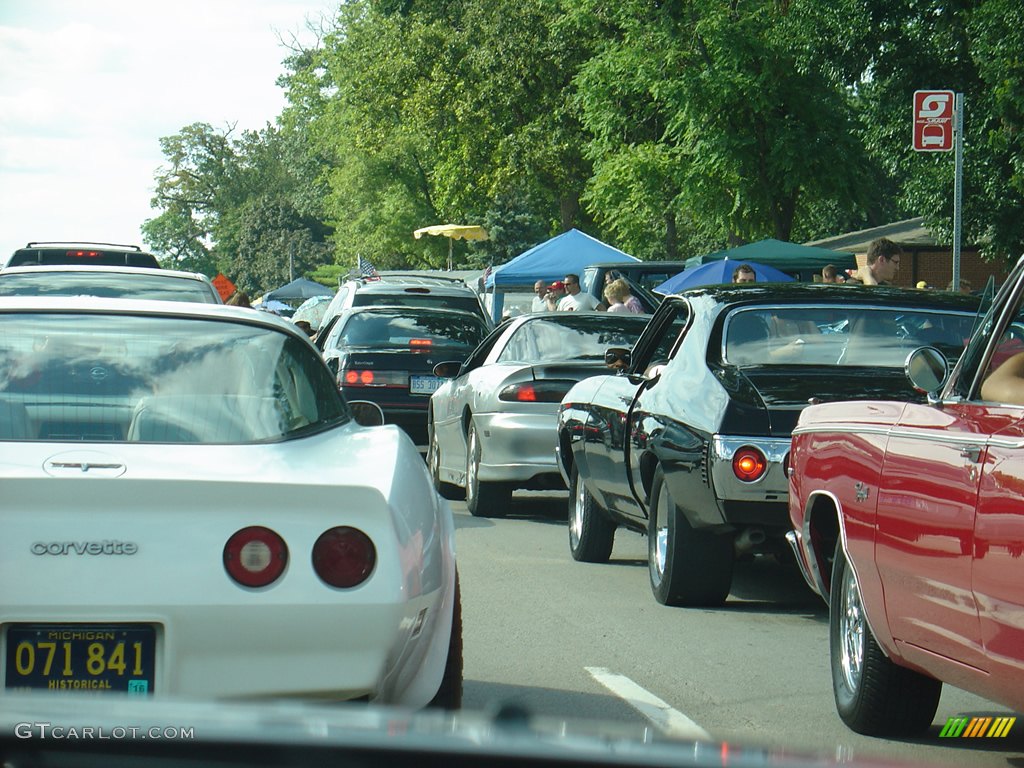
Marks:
<point>939,127</point>
<point>933,121</point>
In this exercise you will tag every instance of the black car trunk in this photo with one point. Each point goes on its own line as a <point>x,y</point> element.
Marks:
<point>784,391</point>
<point>418,361</point>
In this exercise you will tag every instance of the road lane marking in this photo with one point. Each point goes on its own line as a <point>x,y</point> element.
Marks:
<point>671,721</point>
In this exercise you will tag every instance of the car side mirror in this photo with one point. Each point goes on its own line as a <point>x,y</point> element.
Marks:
<point>366,413</point>
<point>448,369</point>
<point>927,369</point>
<point>618,358</point>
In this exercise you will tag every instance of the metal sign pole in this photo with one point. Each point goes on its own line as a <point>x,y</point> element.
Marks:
<point>958,185</point>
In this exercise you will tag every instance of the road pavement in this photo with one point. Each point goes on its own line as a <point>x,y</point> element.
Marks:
<point>562,638</point>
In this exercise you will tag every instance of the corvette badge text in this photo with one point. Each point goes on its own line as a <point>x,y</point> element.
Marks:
<point>105,547</point>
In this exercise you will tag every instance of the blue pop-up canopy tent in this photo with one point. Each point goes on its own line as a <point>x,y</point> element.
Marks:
<point>569,252</point>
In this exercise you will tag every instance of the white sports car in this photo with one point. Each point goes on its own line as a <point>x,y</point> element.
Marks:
<point>492,423</point>
<point>191,509</point>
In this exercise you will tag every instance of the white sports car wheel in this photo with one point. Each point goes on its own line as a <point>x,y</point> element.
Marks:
<point>483,499</point>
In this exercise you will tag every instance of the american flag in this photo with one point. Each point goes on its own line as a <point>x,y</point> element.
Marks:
<point>366,268</point>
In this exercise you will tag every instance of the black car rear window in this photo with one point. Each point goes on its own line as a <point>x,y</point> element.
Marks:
<point>419,331</point>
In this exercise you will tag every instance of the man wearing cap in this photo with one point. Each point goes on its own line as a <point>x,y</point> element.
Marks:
<point>575,300</point>
<point>556,292</point>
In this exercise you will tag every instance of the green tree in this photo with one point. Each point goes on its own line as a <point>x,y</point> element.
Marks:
<point>706,119</point>
<point>240,206</point>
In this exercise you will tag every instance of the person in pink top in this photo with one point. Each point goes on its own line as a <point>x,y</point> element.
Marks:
<point>620,299</point>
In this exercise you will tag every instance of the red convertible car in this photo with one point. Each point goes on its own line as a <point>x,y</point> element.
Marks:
<point>908,519</point>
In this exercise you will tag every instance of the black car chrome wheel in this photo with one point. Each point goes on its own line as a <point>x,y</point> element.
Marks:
<point>591,531</point>
<point>483,499</point>
<point>687,567</point>
<point>873,695</point>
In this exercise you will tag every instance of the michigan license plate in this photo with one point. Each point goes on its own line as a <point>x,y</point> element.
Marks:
<point>423,385</point>
<point>88,657</point>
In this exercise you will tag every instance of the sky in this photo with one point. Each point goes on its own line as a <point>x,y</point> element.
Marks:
<point>88,88</point>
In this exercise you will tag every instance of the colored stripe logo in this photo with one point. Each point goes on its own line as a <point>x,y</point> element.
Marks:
<point>977,727</point>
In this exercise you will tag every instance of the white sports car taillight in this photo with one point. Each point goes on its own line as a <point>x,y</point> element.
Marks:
<point>255,556</point>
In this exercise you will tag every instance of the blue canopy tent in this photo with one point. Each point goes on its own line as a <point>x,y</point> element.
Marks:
<point>715,272</point>
<point>569,252</point>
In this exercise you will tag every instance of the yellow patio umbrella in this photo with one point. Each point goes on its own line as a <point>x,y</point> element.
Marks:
<point>453,232</point>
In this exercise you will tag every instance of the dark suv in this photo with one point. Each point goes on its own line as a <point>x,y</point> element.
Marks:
<point>405,290</point>
<point>100,254</point>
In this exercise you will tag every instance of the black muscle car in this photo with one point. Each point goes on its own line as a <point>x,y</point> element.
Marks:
<point>689,442</point>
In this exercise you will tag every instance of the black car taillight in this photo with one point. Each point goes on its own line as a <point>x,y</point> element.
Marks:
<point>749,464</point>
<point>367,377</point>
<point>536,391</point>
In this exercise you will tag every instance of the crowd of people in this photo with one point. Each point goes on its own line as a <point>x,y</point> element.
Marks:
<point>566,295</point>
<point>882,264</point>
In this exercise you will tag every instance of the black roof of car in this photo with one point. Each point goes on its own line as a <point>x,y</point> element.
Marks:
<point>101,254</point>
<point>765,293</point>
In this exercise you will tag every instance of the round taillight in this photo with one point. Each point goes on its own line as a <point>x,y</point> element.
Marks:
<point>344,557</point>
<point>749,464</point>
<point>351,377</point>
<point>255,556</point>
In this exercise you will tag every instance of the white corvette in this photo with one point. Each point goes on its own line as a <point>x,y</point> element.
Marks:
<point>189,508</point>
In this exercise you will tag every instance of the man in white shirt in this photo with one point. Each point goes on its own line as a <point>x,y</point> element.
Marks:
<point>540,303</point>
<point>575,300</point>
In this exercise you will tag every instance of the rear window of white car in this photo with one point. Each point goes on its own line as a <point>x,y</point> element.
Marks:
<point>115,377</point>
<point>158,286</point>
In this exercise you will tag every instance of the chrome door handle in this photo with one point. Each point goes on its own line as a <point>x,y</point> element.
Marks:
<point>972,452</point>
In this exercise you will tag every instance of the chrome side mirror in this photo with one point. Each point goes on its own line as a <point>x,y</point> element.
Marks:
<point>366,413</point>
<point>927,369</point>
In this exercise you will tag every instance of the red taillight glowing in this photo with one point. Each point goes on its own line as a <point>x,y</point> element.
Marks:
<point>344,557</point>
<point>359,378</point>
<point>749,464</point>
<point>420,343</point>
<point>536,391</point>
<point>255,556</point>
<point>367,377</point>
<point>526,393</point>
<point>84,254</point>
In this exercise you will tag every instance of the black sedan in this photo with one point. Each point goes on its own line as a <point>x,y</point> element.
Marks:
<point>690,446</point>
<point>387,355</point>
